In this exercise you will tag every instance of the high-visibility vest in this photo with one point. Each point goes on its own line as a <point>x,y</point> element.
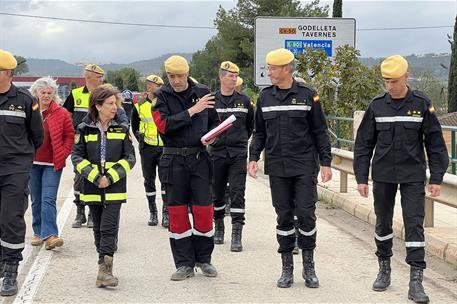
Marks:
<point>147,125</point>
<point>81,99</point>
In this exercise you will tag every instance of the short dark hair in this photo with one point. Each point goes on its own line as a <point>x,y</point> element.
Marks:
<point>98,97</point>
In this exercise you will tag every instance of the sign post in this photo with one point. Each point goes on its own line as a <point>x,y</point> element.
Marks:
<point>297,34</point>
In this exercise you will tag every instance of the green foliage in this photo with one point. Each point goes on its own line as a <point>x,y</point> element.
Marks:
<point>337,11</point>
<point>22,67</point>
<point>235,38</point>
<point>344,84</point>
<point>452,82</point>
<point>125,78</point>
<point>433,88</point>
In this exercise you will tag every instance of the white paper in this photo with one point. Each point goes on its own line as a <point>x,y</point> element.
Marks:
<point>223,124</point>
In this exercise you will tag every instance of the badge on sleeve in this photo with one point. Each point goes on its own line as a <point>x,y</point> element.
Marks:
<point>431,109</point>
<point>35,106</point>
<point>77,138</point>
<point>316,98</point>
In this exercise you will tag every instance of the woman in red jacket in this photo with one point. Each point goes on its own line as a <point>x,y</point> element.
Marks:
<point>49,162</point>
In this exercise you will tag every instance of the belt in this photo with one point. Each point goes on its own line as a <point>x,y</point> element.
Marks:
<point>183,151</point>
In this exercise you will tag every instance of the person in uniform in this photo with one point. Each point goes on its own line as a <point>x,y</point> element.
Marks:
<point>103,154</point>
<point>239,83</point>
<point>291,126</point>
<point>21,134</point>
<point>229,155</point>
<point>151,145</point>
<point>184,112</point>
<point>396,126</point>
<point>77,103</point>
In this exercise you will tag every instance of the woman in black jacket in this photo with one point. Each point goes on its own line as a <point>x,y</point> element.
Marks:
<point>103,154</point>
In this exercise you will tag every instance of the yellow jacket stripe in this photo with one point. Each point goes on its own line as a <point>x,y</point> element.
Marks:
<point>81,99</point>
<point>147,125</point>
<point>115,135</point>
<point>91,137</point>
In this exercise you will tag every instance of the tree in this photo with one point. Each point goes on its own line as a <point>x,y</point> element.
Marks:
<point>125,78</point>
<point>344,83</point>
<point>452,82</point>
<point>22,67</point>
<point>337,11</point>
<point>433,88</point>
<point>235,38</point>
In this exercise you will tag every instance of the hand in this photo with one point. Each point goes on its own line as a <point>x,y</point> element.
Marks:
<point>206,143</point>
<point>252,169</point>
<point>206,102</point>
<point>363,189</point>
<point>435,190</point>
<point>104,182</point>
<point>326,174</point>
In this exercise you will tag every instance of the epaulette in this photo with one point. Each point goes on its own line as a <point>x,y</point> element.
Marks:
<point>380,96</point>
<point>421,95</point>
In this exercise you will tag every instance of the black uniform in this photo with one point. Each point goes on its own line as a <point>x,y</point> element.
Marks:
<point>229,154</point>
<point>118,160</point>
<point>21,133</point>
<point>291,126</point>
<point>150,157</point>
<point>185,168</point>
<point>397,131</point>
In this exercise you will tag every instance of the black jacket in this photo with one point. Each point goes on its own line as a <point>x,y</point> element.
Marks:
<point>172,118</point>
<point>397,136</point>
<point>119,160</point>
<point>234,141</point>
<point>21,131</point>
<point>291,126</point>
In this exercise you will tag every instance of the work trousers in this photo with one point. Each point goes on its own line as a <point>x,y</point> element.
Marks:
<point>106,225</point>
<point>150,157</point>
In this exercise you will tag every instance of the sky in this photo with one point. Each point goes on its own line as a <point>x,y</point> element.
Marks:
<point>77,42</point>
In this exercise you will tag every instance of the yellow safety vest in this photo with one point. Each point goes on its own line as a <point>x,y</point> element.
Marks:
<point>81,99</point>
<point>147,126</point>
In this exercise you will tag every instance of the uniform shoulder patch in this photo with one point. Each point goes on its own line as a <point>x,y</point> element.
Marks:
<point>431,109</point>
<point>77,138</point>
<point>35,106</point>
<point>316,98</point>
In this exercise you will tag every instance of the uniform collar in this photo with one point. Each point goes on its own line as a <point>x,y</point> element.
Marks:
<point>293,89</point>
<point>408,99</point>
<point>224,98</point>
<point>12,92</point>
<point>85,89</point>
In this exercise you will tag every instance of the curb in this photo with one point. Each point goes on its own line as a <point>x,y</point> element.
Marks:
<point>434,244</point>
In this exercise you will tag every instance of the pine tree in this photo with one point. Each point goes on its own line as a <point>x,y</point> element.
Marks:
<point>452,82</point>
<point>337,9</point>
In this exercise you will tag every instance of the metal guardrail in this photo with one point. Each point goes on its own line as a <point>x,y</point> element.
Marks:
<point>343,161</point>
<point>340,140</point>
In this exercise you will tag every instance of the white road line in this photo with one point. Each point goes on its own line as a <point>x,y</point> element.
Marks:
<point>39,267</point>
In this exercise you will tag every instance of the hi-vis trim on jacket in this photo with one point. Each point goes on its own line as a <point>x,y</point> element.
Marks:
<point>312,232</point>
<point>219,208</point>
<point>232,110</point>
<point>286,108</point>
<point>399,118</point>
<point>206,234</point>
<point>81,109</point>
<point>11,246</point>
<point>178,236</point>
<point>147,126</point>
<point>415,244</point>
<point>285,233</point>
<point>236,210</point>
<point>384,238</point>
<point>81,99</point>
<point>12,113</point>
<point>108,197</point>
<point>91,137</point>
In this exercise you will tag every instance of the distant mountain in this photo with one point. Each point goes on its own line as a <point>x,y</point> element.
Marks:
<point>55,67</point>
<point>437,64</point>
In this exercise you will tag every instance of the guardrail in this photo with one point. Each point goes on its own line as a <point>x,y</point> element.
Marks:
<point>343,161</point>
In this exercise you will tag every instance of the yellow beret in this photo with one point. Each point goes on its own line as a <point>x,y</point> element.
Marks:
<point>155,79</point>
<point>7,60</point>
<point>394,67</point>
<point>230,67</point>
<point>280,57</point>
<point>239,81</point>
<point>176,65</point>
<point>94,68</point>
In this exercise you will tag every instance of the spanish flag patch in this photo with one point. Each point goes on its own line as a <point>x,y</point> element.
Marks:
<point>316,98</point>
<point>35,106</point>
<point>431,109</point>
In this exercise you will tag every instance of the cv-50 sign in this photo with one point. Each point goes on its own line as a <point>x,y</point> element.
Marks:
<point>296,35</point>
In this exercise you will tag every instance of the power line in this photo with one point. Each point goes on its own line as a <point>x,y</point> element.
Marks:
<point>200,27</point>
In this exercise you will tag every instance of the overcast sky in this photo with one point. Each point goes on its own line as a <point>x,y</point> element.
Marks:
<point>102,43</point>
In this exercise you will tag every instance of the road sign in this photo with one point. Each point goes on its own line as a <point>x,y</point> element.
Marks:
<point>297,34</point>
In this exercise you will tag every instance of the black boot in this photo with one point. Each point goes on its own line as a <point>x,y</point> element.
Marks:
<point>80,217</point>
<point>2,266</point>
<point>309,274</point>
<point>9,287</point>
<point>219,230</point>
<point>416,290</point>
<point>287,276</point>
<point>383,280</point>
<point>236,245</point>
<point>153,220</point>
<point>165,218</point>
